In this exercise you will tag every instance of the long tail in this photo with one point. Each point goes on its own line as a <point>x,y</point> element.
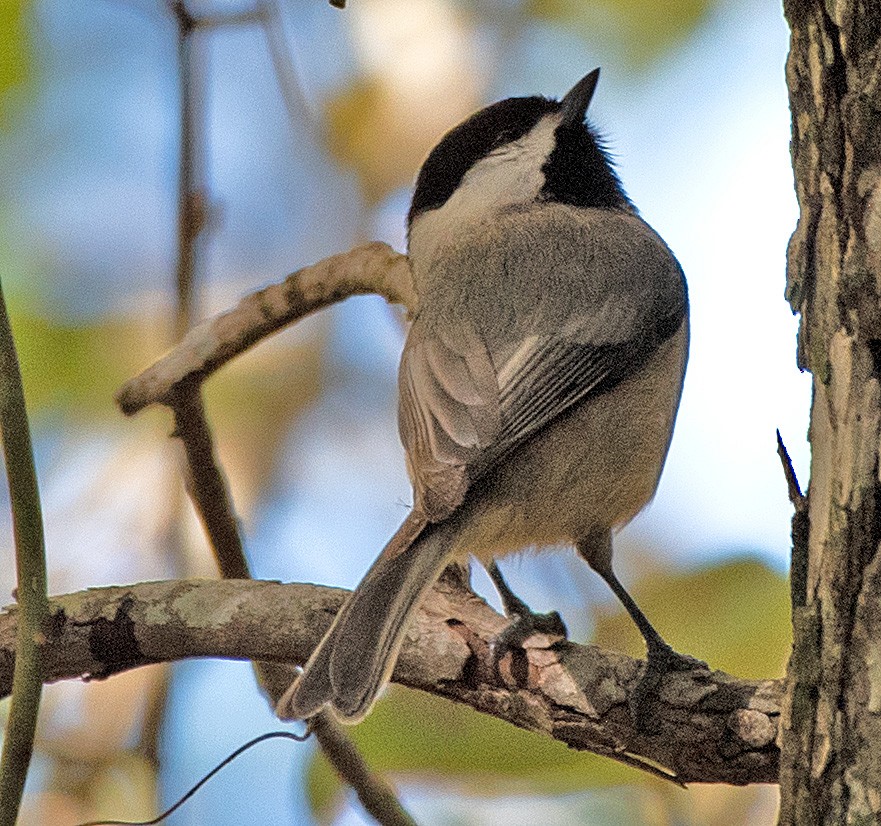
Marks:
<point>356,657</point>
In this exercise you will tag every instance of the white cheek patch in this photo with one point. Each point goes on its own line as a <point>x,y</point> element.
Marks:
<point>512,175</point>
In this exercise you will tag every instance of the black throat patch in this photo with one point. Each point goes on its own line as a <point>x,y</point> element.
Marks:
<point>579,171</point>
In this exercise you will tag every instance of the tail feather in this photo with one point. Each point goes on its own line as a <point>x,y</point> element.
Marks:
<point>356,656</point>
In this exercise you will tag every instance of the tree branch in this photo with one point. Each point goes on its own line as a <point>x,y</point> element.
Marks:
<point>705,727</point>
<point>371,268</point>
<point>207,487</point>
<point>376,796</point>
<point>206,484</point>
<point>30,563</point>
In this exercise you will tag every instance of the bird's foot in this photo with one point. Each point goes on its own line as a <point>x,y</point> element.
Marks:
<point>527,630</point>
<point>661,661</point>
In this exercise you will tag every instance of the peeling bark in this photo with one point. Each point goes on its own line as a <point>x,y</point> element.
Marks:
<point>830,762</point>
<point>704,727</point>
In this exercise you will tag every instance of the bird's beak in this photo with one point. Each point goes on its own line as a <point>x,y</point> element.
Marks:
<point>574,105</point>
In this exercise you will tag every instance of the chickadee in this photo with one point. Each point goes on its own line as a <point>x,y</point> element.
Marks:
<point>539,382</point>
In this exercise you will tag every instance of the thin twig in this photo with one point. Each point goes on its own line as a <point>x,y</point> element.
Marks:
<point>191,207</point>
<point>208,490</point>
<point>376,796</point>
<point>30,560</point>
<point>191,218</point>
<point>795,494</point>
<point>266,15</point>
<point>205,480</point>
<point>156,703</point>
<point>206,484</point>
<point>801,526</point>
<point>207,487</point>
<point>220,20</point>
<point>372,268</point>
<point>282,64</point>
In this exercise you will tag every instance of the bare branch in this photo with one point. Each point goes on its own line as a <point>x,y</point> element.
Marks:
<point>206,484</point>
<point>705,727</point>
<point>30,565</point>
<point>207,487</point>
<point>371,268</point>
<point>375,795</point>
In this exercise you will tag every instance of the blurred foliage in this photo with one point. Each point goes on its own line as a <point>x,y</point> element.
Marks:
<point>437,741</point>
<point>376,126</point>
<point>14,51</point>
<point>359,120</point>
<point>74,370</point>
<point>77,367</point>
<point>644,29</point>
<point>383,135</point>
<point>126,784</point>
<point>95,772</point>
<point>734,615</point>
<point>254,402</point>
<point>417,76</point>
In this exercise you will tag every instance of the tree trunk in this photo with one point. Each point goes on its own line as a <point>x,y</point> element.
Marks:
<point>830,769</point>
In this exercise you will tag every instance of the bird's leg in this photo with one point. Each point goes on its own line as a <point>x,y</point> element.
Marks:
<point>511,603</point>
<point>660,654</point>
<point>524,622</point>
<point>661,658</point>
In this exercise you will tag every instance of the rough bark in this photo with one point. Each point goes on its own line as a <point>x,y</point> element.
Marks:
<point>704,727</point>
<point>830,762</point>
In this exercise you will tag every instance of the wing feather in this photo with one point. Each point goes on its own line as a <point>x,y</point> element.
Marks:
<point>493,359</point>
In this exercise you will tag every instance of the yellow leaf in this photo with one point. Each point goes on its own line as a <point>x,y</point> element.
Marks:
<point>14,50</point>
<point>643,29</point>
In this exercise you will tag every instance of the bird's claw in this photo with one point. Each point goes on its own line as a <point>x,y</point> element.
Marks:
<point>661,660</point>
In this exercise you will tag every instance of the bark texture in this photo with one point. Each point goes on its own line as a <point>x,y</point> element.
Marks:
<point>830,769</point>
<point>704,727</point>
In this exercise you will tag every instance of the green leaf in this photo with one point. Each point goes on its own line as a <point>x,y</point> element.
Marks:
<point>75,367</point>
<point>14,51</point>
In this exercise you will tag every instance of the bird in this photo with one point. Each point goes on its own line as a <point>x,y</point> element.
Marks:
<point>539,381</point>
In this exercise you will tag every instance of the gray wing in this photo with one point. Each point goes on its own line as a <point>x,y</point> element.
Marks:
<point>448,415</point>
<point>476,382</point>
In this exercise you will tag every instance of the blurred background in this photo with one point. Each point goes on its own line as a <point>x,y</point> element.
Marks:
<point>309,123</point>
